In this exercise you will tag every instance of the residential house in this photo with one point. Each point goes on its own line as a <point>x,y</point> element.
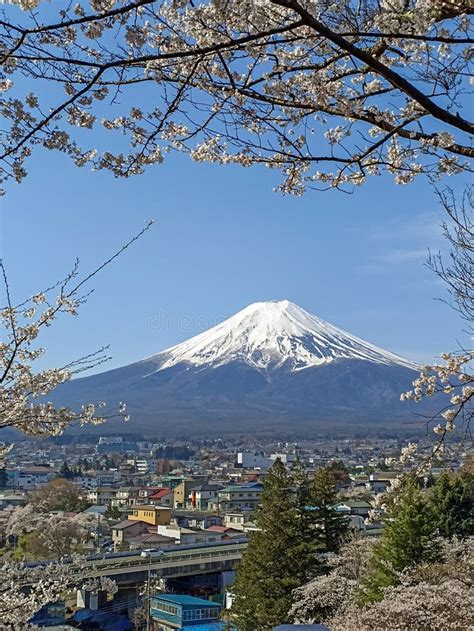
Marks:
<point>172,481</point>
<point>125,497</point>
<point>151,514</point>
<point>236,520</point>
<point>142,465</point>
<point>187,536</point>
<point>182,491</point>
<point>380,480</point>
<point>102,495</point>
<point>194,519</point>
<point>145,493</point>
<point>239,497</point>
<point>354,507</point>
<point>126,530</point>
<point>31,477</point>
<point>109,477</point>
<point>201,495</point>
<point>162,497</point>
<point>86,481</point>
<point>12,499</point>
<point>225,532</point>
<point>150,540</point>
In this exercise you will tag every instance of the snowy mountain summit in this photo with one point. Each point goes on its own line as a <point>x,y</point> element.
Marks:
<point>272,365</point>
<point>271,335</point>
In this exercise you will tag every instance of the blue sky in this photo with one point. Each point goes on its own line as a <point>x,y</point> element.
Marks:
<point>224,239</point>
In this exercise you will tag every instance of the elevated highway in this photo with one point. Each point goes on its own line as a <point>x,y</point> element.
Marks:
<point>170,562</point>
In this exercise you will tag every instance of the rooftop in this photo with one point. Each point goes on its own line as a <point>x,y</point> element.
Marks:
<point>38,470</point>
<point>355,504</point>
<point>127,523</point>
<point>206,486</point>
<point>222,529</point>
<point>159,494</point>
<point>150,507</point>
<point>192,514</point>
<point>184,599</point>
<point>251,486</point>
<point>99,509</point>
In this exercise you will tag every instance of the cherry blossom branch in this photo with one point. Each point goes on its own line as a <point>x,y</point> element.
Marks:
<point>392,77</point>
<point>19,383</point>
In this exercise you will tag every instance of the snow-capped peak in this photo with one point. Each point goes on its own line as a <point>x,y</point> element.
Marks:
<point>266,335</point>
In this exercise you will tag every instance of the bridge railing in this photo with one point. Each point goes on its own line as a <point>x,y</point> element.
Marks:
<point>173,559</point>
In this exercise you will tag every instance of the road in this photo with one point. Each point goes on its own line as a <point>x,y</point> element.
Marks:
<point>188,560</point>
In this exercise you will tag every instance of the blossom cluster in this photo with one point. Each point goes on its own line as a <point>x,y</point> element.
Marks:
<point>25,588</point>
<point>454,378</point>
<point>21,384</point>
<point>322,597</point>
<point>328,93</point>
<point>428,597</point>
<point>23,388</point>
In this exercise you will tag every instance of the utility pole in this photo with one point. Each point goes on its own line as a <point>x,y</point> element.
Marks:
<point>97,534</point>
<point>148,599</point>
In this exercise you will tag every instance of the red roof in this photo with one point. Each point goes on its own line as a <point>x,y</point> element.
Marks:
<point>159,494</point>
<point>221,529</point>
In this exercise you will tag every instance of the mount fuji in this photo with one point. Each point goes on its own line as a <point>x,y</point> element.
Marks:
<point>271,365</point>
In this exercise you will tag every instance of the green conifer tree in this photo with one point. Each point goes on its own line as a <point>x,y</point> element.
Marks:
<point>407,540</point>
<point>274,563</point>
<point>65,471</point>
<point>331,526</point>
<point>113,512</point>
<point>451,501</point>
<point>308,543</point>
<point>3,478</point>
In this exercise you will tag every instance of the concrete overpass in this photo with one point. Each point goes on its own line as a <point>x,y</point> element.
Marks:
<point>170,562</point>
<point>191,563</point>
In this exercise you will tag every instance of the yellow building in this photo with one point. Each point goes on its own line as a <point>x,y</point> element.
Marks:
<point>154,515</point>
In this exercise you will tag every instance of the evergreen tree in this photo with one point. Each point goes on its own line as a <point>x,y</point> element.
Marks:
<point>405,541</point>
<point>3,477</point>
<point>339,471</point>
<point>331,527</point>
<point>274,563</point>
<point>450,501</point>
<point>308,542</point>
<point>113,512</point>
<point>65,472</point>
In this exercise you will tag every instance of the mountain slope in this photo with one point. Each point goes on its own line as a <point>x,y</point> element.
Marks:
<point>270,364</point>
<point>267,335</point>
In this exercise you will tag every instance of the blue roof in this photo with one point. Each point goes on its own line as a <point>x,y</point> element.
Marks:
<point>184,599</point>
<point>96,509</point>
<point>108,621</point>
<point>210,626</point>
